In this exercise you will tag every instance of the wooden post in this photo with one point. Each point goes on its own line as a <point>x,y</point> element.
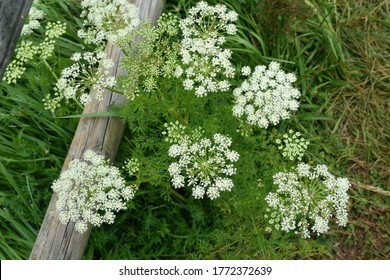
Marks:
<point>12,16</point>
<point>58,241</point>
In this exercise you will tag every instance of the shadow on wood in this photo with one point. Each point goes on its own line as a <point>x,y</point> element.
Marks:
<point>58,241</point>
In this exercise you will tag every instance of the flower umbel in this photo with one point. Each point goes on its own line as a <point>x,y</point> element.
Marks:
<point>107,20</point>
<point>266,97</point>
<point>91,191</point>
<point>306,200</point>
<point>131,166</point>
<point>28,50</point>
<point>175,132</point>
<point>24,53</point>
<point>76,79</point>
<point>205,165</point>
<point>206,65</point>
<point>292,146</point>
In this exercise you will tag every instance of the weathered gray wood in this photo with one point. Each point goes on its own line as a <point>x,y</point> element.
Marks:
<point>12,16</point>
<point>149,9</point>
<point>58,241</point>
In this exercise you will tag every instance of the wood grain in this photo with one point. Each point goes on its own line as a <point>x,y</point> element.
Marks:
<point>103,135</point>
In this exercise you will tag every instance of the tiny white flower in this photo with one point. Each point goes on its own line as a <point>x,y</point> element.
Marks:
<point>178,72</point>
<point>246,70</point>
<point>76,57</point>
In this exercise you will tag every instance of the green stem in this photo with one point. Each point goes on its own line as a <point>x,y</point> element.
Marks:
<point>178,195</point>
<point>177,236</point>
<point>163,94</point>
<point>115,90</point>
<point>78,103</point>
<point>49,67</point>
<point>137,182</point>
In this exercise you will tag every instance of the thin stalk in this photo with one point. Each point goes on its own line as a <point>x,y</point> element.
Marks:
<point>49,67</point>
<point>115,90</point>
<point>178,195</point>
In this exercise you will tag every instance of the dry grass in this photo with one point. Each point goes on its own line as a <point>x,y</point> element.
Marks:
<point>362,112</point>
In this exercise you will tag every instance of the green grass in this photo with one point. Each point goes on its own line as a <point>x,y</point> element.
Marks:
<point>361,111</point>
<point>33,143</point>
<point>340,53</point>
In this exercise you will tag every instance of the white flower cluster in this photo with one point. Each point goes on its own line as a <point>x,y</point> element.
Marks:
<point>244,129</point>
<point>15,70</point>
<point>33,20</point>
<point>292,146</point>
<point>219,18</point>
<point>108,20</point>
<point>131,166</point>
<point>175,132</point>
<point>205,64</point>
<point>167,23</point>
<point>24,53</point>
<point>266,97</point>
<point>91,191</point>
<point>204,165</point>
<point>76,79</point>
<point>305,201</point>
<point>53,31</point>
<point>27,50</point>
